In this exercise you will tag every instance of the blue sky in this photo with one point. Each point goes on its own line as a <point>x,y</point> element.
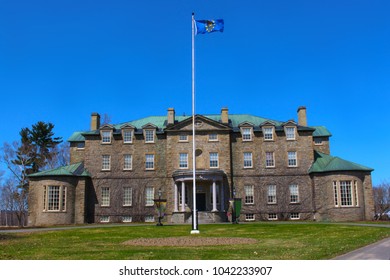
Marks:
<point>62,60</point>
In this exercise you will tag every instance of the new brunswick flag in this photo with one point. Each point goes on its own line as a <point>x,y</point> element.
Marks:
<point>208,26</point>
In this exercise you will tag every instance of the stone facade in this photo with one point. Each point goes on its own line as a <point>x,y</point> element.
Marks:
<point>266,163</point>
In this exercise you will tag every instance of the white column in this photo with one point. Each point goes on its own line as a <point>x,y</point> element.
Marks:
<point>176,202</point>
<point>222,200</point>
<point>214,197</point>
<point>183,196</point>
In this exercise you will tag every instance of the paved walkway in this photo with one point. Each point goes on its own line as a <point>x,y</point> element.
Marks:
<point>376,251</point>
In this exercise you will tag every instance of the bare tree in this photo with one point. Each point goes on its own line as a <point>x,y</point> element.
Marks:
<point>61,156</point>
<point>14,199</point>
<point>381,199</point>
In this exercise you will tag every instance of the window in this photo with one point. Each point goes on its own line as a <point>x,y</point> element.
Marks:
<point>127,196</point>
<point>127,219</point>
<point>183,160</point>
<point>249,194</point>
<point>149,196</point>
<point>294,194</point>
<point>128,162</point>
<point>214,160</point>
<point>269,159</point>
<point>104,219</point>
<point>292,159</point>
<point>345,193</point>
<point>318,141</point>
<point>272,216</point>
<point>295,216</point>
<point>271,197</point>
<point>106,137</point>
<point>249,217</point>
<point>127,136</point>
<point>213,137</point>
<point>290,133</point>
<point>80,145</point>
<point>149,219</point>
<point>246,134</point>
<point>268,133</point>
<point>183,138</point>
<point>105,196</point>
<point>149,135</point>
<point>54,198</point>
<point>149,162</point>
<point>106,162</point>
<point>248,160</point>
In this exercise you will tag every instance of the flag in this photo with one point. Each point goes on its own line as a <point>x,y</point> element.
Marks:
<point>208,26</point>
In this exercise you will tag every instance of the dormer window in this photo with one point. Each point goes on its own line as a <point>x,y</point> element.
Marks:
<point>268,133</point>
<point>106,137</point>
<point>127,135</point>
<point>290,133</point>
<point>149,135</point>
<point>246,133</point>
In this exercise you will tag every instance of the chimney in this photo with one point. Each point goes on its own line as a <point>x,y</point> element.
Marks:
<point>225,115</point>
<point>95,121</point>
<point>302,119</point>
<point>171,116</point>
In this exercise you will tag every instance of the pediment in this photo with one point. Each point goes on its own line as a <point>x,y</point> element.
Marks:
<point>127,126</point>
<point>106,127</point>
<point>149,126</point>
<point>289,123</point>
<point>267,123</point>
<point>202,123</point>
<point>246,124</point>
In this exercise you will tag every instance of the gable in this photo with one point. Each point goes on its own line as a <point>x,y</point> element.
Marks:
<point>202,123</point>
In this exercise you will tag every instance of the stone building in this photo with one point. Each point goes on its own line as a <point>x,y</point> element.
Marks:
<point>280,170</point>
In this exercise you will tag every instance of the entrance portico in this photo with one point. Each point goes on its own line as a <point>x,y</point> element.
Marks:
<point>211,194</point>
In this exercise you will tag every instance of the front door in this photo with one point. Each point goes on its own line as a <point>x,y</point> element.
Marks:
<point>201,201</point>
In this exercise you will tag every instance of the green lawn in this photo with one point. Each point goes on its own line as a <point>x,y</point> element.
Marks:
<point>276,241</point>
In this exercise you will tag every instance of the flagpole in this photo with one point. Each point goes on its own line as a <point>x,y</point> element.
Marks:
<point>194,211</point>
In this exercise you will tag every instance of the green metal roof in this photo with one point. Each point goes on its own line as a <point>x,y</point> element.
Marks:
<point>76,169</point>
<point>321,131</point>
<point>327,163</point>
<point>76,137</point>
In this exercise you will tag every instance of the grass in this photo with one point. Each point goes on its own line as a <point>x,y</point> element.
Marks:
<point>276,241</point>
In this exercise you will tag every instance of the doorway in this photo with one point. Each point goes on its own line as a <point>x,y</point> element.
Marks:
<point>201,201</point>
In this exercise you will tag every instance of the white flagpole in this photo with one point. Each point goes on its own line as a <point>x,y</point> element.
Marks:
<point>194,212</point>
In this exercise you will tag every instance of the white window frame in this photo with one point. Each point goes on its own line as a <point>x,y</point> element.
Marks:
<point>247,134</point>
<point>213,137</point>
<point>127,219</point>
<point>105,219</point>
<point>248,160</point>
<point>269,162</point>
<point>294,193</point>
<point>272,216</point>
<point>249,191</point>
<point>268,133</point>
<point>292,159</point>
<point>295,216</point>
<point>149,162</point>
<point>54,198</point>
<point>106,137</point>
<point>345,193</point>
<point>106,162</point>
<point>149,219</point>
<point>149,196</point>
<point>318,141</point>
<point>250,217</point>
<point>80,145</point>
<point>127,196</point>
<point>150,135</point>
<point>271,194</point>
<point>183,137</point>
<point>128,162</point>
<point>105,195</point>
<point>290,133</point>
<point>127,139</point>
<point>183,161</point>
<point>214,160</point>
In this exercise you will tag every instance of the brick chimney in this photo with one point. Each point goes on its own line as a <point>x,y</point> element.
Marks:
<point>225,115</point>
<point>171,116</point>
<point>95,121</point>
<point>302,119</point>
